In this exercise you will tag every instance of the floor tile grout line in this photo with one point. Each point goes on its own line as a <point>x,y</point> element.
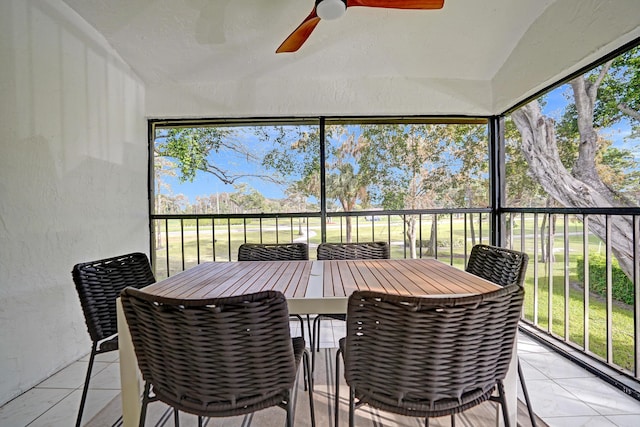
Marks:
<point>333,334</point>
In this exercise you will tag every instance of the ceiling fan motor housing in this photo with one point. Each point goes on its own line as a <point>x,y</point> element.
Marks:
<point>330,9</point>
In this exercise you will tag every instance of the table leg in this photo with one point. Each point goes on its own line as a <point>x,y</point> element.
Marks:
<point>129,373</point>
<point>511,389</point>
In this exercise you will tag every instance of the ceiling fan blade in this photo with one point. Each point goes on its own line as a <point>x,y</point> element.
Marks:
<point>398,4</point>
<point>300,34</point>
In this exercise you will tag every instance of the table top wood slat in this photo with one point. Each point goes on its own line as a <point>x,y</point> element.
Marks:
<point>428,284</point>
<point>333,280</point>
<point>186,282</point>
<point>339,279</point>
<point>366,278</point>
<point>456,278</point>
<point>394,280</point>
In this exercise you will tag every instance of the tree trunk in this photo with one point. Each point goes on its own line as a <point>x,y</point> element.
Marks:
<point>431,244</point>
<point>411,236</point>
<point>583,187</point>
<point>543,240</point>
<point>472,230</point>
<point>158,239</point>
<point>347,221</point>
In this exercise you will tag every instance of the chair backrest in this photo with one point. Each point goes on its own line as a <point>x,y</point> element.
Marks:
<point>273,252</point>
<point>360,250</point>
<point>501,266</point>
<point>408,352</point>
<point>212,356</point>
<point>100,282</point>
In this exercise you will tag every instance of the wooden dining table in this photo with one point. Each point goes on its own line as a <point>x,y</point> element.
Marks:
<point>310,287</point>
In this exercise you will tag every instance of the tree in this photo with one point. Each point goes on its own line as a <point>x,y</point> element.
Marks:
<point>410,167</point>
<point>344,181</point>
<point>581,184</point>
<point>248,199</point>
<point>346,186</point>
<point>296,154</point>
<point>194,149</point>
<point>470,147</point>
<point>163,168</point>
<point>295,201</point>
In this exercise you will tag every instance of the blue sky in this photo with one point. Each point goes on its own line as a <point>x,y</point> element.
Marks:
<point>556,101</point>
<point>206,183</point>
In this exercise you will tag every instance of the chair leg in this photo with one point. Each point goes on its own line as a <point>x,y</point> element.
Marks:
<point>200,424</point>
<point>85,389</point>
<point>453,420</point>
<point>307,362</point>
<point>337,394</point>
<point>532,416</point>
<point>503,403</point>
<point>289,409</point>
<point>145,402</point>
<point>310,333</point>
<point>176,417</point>
<point>307,373</point>
<point>316,331</point>
<point>352,407</point>
<point>315,341</point>
<point>301,324</point>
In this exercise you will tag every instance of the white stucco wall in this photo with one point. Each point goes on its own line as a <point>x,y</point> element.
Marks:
<point>73,180</point>
<point>264,97</point>
<point>592,23</point>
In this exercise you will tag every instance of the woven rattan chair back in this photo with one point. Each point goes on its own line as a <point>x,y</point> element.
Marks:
<point>428,356</point>
<point>214,357</point>
<point>504,267</point>
<point>276,252</point>
<point>99,283</point>
<point>273,252</point>
<point>501,266</point>
<point>344,251</point>
<point>360,250</point>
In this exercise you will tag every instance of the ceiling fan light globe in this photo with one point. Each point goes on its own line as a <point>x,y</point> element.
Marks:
<point>330,9</point>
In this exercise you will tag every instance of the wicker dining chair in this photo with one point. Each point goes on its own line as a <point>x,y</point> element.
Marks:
<point>273,252</point>
<point>278,252</point>
<point>501,266</point>
<point>99,283</point>
<point>504,267</point>
<point>332,251</point>
<point>428,356</point>
<point>360,250</point>
<point>216,357</point>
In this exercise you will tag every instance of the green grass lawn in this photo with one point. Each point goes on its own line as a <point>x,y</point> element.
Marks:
<point>622,319</point>
<point>188,243</point>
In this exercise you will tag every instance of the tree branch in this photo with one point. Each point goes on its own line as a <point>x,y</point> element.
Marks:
<point>593,88</point>
<point>624,108</point>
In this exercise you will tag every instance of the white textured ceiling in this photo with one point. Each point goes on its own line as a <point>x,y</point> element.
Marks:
<point>212,58</point>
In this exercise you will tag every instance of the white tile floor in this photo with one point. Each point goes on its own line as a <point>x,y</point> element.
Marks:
<point>562,393</point>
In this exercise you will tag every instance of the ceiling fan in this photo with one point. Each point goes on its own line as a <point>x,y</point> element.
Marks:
<point>333,9</point>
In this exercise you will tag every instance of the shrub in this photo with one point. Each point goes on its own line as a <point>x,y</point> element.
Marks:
<point>622,287</point>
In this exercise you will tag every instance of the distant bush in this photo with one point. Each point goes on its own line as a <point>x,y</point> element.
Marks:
<point>622,288</point>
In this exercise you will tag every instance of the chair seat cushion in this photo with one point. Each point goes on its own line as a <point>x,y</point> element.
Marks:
<point>424,408</point>
<point>342,317</point>
<point>110,344</point>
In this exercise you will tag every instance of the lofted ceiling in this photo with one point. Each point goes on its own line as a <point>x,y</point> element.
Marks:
<point>213,58</point>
